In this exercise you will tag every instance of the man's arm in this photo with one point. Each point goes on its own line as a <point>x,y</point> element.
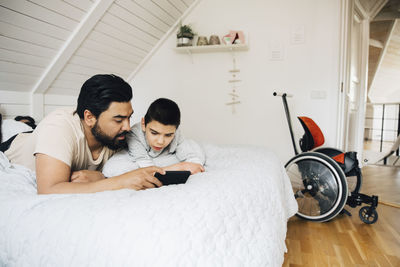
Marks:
<point>53,177</point>
<point>85,176</point>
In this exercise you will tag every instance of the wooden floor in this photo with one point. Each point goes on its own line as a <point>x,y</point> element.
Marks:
<point>383,181</point>
<point>346,241</point>
<point>376,145</point>
<point>373,151</point>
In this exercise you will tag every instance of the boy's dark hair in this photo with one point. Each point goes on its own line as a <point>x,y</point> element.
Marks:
<point>30,121</point>
<point>164,111</point>
<point>99,91</point>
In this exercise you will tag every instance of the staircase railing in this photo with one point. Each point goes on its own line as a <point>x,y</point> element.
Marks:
<point>382,123</point>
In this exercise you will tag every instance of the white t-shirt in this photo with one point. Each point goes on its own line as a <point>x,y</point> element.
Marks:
<point>59,135</point>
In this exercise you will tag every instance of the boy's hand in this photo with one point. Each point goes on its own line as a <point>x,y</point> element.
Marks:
<point>86,176</point>
<point>186,166</point>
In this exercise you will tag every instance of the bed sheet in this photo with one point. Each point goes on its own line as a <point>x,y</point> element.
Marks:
<point>234,214</point>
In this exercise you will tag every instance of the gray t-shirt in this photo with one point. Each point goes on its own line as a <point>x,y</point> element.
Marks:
<point>184,149</point>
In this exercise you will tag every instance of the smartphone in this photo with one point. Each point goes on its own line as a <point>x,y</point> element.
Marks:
<point>173,177</point>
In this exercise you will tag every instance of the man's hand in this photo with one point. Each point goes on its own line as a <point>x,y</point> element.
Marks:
<point>85,176</point>
<point>142,178</point>
<point>185,166</point>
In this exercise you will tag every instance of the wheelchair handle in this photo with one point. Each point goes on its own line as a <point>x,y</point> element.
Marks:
<point>282,94</point>
<point>285,105</point>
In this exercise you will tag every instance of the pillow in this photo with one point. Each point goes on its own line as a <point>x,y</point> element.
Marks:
<point>11,127</point>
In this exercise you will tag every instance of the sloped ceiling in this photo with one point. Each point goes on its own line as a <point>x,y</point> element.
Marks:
<point>379,32</point>
<point>53,46</point>
<point>384,55</point>
<point>385,86</point>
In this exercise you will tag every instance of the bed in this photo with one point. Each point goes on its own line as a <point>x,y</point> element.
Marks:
<point>234,214</point>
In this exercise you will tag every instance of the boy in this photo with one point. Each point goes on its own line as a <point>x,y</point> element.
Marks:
<point>156,141</point>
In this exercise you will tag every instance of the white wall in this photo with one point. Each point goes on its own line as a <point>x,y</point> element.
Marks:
<point>20,103</point>
<point>14,103</point>
<point>201,88</point>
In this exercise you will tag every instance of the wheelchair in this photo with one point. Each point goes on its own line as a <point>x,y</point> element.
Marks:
<point>325,179</point>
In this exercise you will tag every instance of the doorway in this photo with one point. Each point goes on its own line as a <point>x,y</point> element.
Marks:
<point>352,101</point>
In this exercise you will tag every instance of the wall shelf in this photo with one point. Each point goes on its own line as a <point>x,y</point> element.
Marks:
<point>212,48</point>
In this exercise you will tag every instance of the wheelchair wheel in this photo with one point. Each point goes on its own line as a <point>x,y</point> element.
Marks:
<point>368,215</point>
<point>319,186</point>
<point>354,182</point>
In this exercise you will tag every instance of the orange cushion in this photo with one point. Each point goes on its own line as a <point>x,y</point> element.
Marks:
<point>339,158</point>
<point>315,131</point>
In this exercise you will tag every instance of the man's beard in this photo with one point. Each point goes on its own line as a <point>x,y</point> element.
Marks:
<point>111,143</point>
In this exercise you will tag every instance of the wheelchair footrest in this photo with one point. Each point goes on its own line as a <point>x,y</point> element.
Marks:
<point>357,199</point>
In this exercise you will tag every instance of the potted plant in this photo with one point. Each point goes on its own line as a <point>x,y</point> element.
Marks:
<point>185,35</point>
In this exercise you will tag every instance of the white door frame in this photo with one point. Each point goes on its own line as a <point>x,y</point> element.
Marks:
<point>349,8</point>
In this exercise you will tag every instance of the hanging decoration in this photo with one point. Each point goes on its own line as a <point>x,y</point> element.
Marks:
<point>234,82</point>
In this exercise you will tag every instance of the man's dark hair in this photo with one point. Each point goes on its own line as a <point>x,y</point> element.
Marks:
<point>164,111</point>
<point>99,91</point>
<point>27,120</point>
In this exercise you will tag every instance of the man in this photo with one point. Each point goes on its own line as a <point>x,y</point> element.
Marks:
<point>69,148</point>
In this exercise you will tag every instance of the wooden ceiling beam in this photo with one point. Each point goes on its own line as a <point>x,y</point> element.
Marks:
<point>71,45</point>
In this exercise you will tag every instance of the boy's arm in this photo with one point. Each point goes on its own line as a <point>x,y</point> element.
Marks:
<point>191,156</point>
<point>137,150</point>
<point>185,166</point>
<point>189,151</point>
<point>53,177</point>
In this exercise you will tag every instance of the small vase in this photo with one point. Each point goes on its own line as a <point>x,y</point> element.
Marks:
<point>202,41</point>
<point>214,40</point>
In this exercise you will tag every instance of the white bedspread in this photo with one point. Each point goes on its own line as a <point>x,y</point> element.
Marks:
<point>234,214</point>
